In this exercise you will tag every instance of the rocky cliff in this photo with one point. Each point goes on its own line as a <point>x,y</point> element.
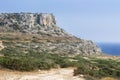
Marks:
<point>43,24</point>
<point>40,33</point>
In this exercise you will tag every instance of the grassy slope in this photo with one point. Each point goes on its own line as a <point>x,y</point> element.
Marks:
<point>14,58</point>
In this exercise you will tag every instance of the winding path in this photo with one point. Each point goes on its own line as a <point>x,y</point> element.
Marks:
<point>55,74</point>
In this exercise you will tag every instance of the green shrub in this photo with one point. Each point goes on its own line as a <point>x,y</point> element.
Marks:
<point>45,65</point>
<point>15,59</point>
<point>99,68</point>
<point>21,64</point>
<point>12,52</point>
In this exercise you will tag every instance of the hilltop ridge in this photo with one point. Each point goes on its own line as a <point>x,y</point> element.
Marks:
<point>40,32</point>
<point>33,23</point>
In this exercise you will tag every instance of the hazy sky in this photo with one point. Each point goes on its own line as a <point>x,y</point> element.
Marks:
<point>97,20</point>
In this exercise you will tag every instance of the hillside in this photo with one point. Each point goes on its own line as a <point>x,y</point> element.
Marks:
<point>31,43</point>
<point>39,32</point>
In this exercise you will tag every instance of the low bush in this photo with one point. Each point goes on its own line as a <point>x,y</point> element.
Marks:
<point>22,64</point>
<point>15,59</point>
<point>99,68</point>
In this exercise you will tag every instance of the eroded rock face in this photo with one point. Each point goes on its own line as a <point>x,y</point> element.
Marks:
<point>47,20</point>
<point>50,37</point>
<point>1,46</point>
<point>44,24</point>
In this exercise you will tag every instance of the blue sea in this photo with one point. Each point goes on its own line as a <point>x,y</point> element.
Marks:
<point>110,48</point>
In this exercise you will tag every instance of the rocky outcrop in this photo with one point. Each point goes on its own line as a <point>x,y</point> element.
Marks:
<point>44,24</point>
<point>45,33</point>
<point>1,46</point>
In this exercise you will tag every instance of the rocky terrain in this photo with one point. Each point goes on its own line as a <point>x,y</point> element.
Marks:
<point>41,33</point>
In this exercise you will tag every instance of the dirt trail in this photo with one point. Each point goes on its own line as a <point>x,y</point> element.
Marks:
<point>56,74</point>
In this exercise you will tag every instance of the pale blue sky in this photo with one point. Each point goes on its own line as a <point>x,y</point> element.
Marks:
<point>97,20</point>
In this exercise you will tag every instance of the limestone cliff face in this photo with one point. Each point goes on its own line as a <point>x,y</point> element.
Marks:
<point>47,35</point>
<point>32,23</point>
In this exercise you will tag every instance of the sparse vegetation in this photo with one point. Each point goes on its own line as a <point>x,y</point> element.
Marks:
<point>92,68</point>
<point>99,68</point>
<point>17,60</point>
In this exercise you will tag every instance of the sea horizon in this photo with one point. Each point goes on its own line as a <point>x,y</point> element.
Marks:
<point>110,48</point>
